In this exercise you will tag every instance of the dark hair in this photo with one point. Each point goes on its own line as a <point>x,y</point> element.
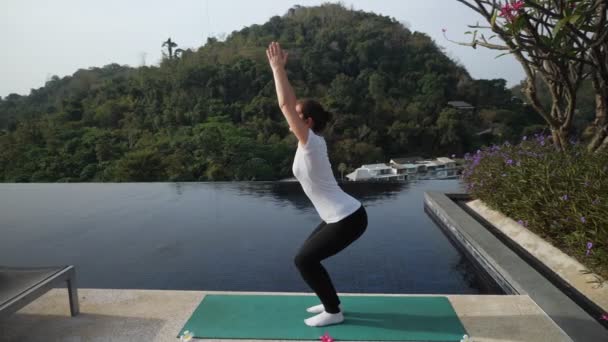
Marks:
<point>313,109</point>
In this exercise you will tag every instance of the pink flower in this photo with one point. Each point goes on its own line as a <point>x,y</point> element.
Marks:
<point>327,338</point>
<point>604,317</point>
<point>511,10</point>
<point>506,8</point>
<point>518,5</point>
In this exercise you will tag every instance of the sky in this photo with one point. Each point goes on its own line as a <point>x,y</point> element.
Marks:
<point>42,38</point>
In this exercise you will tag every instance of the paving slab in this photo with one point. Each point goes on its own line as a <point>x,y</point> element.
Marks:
<point>159,315</point>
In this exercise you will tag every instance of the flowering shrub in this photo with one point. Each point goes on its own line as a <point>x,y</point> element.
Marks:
<point>510,11</point>
<point>327,338</point>
<point>561,196</point>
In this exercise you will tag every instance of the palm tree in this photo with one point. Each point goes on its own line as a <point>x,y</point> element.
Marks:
<point>179,53</point>
<point>342,168</point>
<point>170,45</point>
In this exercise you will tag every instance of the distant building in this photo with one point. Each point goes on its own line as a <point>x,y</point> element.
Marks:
<point>406,160</point>
<point>406,169</point>
<point>409,165</point>
<point>375,172</point>
<point>447,162</point>
<point>461,105</point>
<point>517,100</point>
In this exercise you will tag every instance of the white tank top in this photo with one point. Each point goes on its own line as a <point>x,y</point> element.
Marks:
<point>312,169</point>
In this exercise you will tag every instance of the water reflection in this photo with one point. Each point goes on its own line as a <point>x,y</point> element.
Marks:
<point>278,192</point>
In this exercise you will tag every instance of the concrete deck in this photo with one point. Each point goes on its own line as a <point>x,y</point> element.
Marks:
<point>151,315</point>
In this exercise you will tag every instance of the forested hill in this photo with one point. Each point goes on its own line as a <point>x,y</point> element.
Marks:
<point>212,114</point>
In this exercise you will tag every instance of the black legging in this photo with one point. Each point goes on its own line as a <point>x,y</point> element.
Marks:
<point>327,240</point>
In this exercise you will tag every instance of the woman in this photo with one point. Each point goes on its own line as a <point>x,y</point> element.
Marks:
<point>344,218</point>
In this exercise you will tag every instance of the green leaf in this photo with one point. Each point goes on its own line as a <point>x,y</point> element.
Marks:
<point>558,27</point>
<point>493,20</point>
<point>574,18</point>
<point>468,32</point>
<point>502,54</point>
<point>518,24</point>
<point>545,40</point>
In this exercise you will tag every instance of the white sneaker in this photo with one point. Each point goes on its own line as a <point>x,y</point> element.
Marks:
<point>320,308</point>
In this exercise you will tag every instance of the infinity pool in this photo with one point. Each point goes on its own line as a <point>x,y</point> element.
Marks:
<point>226,236</point>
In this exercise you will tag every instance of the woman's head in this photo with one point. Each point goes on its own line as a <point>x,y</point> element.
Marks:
<point>312,109</point>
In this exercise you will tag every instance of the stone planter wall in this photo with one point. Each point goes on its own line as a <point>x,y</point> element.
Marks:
<point>562,268</point>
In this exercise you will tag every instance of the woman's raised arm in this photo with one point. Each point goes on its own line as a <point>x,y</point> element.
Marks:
<point>285,94</point>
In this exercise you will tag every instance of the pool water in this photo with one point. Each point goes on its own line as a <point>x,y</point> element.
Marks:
<point>227,236</point>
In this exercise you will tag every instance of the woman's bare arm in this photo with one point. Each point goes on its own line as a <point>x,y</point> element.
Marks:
<point>285,94</point>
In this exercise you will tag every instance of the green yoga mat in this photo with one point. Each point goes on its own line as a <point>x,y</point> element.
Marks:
<point>281,317</point>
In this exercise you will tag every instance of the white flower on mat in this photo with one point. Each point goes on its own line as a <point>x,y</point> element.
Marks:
<point>465,338</point>
<point>186,337</point>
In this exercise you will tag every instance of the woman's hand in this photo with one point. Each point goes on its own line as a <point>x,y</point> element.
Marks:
<point>277,57</point>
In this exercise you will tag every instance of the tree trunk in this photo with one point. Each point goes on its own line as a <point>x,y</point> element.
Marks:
<point>603,146</point>
<point>560,138</point>
<point>600,125</point>
<point>559,130</point>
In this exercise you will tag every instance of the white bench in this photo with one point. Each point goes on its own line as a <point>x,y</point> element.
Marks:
<point>20,286</point>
